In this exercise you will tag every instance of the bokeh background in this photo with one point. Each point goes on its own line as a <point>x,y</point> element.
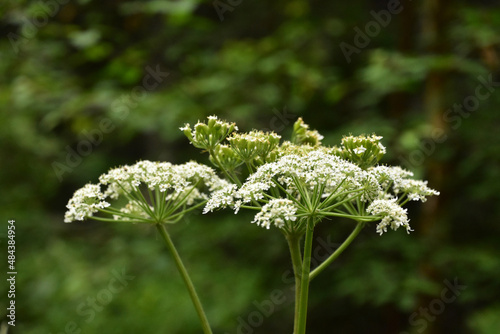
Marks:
<point>87,85</point>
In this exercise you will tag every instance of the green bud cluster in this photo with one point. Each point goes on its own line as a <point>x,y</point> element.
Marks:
<point>254,146</point>
<point>302,135</point>
<point>230,149</point>
<point>362,150</point>
<point>208,136</point>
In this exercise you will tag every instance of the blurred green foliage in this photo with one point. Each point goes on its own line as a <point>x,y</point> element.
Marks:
<point>68,65</point>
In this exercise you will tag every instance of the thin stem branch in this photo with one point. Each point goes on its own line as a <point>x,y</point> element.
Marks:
<point>294,245</point>
<point>304,288</point>
<point>360,218</point>
<point>185,277</point>
<point>338,251</point>
<point>181,213</point>
<point>226,173</point>
<point>112,220</point>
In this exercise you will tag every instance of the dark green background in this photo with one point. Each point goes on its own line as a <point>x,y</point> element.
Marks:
<point>68,65</point>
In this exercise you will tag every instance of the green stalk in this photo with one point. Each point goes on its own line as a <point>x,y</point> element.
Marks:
<point>338,251</point>
<point>294,245</point>
<point>226,173</point>
<point>185,277</point>
<point>351,216</point>
<point>304,288</point>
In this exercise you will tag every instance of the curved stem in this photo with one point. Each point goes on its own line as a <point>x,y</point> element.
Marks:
<point>338,251</point>
<point>304,288</point>
<point>185,278</point>
<point>294,245</point>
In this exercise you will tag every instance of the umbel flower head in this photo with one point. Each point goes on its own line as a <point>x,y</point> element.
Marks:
<point>154,192</point>
<point>300,179</point>
<point>321,185</point>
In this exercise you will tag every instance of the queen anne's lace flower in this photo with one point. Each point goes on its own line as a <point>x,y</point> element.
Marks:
<point>221,198</point>
<point>277,212</point>
<point>178,184</point>
<point>316,168</point>
<point>392,215</point>
<point>126,179</point>
<point>84,203</point>
<point>416,190</point>
<point>314,171</point>
<point>398,179</point>
<point>320,173</point>
<point>390,175</point>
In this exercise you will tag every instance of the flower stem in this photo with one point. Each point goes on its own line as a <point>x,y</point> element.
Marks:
<point>185,278</point>
<point>226,173</point>
<point>338,251</point>
<point>304,288</point>
<point>294,245</point>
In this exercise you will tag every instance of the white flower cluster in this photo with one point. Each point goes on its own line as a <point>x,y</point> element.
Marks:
<point>397,178</point>
<point>416,190</point>
<point>390,175</point>
<point>126,179</point>
<point>295,173</point>
<point>188,183</point>
<point>392,215</point>
<point>320,173</point>
<point>277,211</point>
<point>317,168</point>
<point>85,202</point>
<point>221,198</point>
<point>203,178</point>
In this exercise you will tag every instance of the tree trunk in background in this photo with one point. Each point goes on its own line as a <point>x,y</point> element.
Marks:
<point>399,102</point>
<point>436,14</point>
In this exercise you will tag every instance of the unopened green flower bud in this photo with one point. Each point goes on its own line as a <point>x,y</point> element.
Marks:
<point>186,129</point>
<point>208,136</point>
<point>254,145</point>
<point>302,135</point>
<point>362,150</point>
